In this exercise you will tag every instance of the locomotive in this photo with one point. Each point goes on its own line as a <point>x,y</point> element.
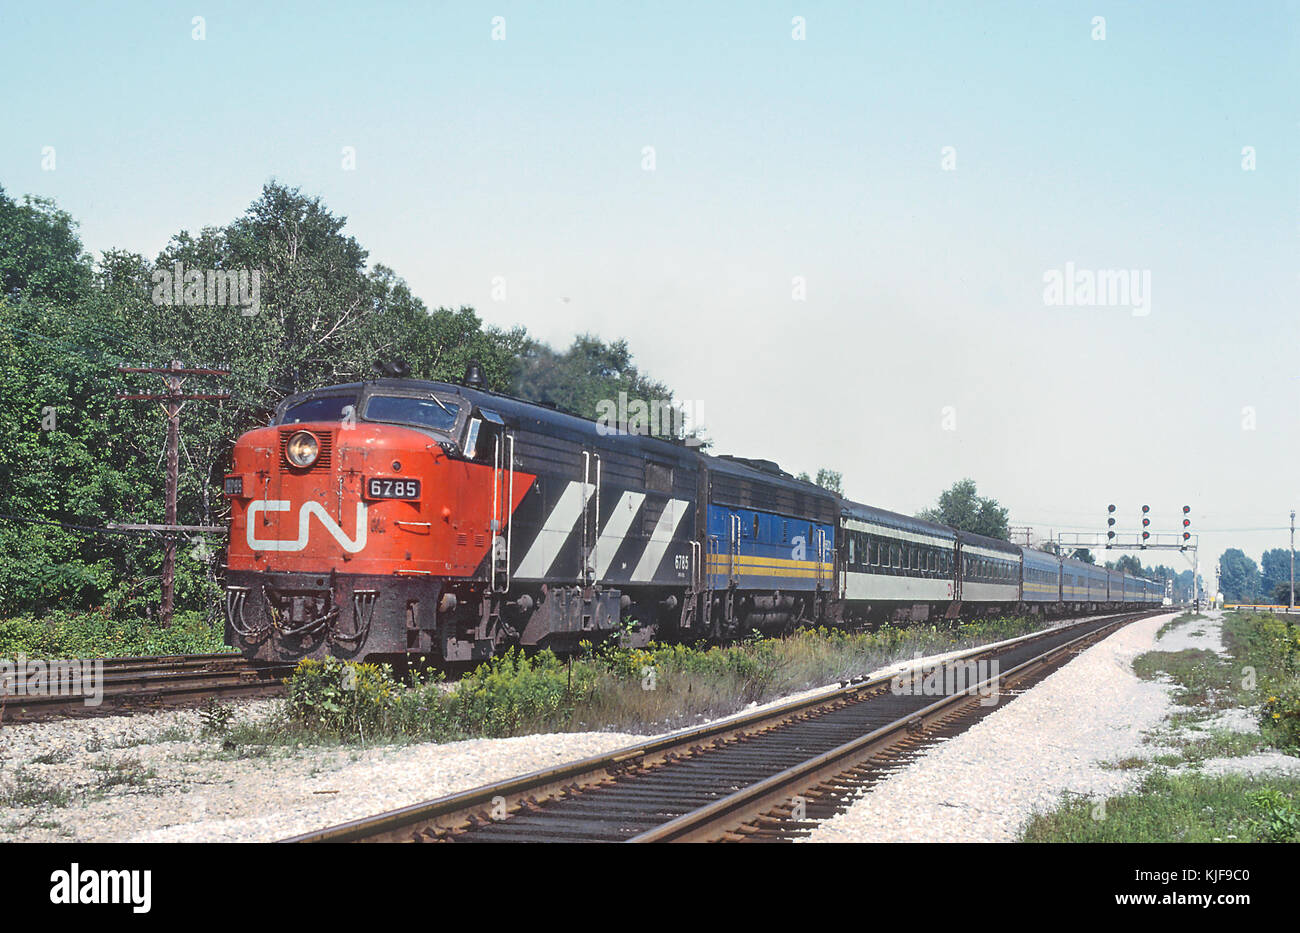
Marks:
<point>399,516</point>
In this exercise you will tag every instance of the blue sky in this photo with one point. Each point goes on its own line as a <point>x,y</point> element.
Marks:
<point>774,158</point>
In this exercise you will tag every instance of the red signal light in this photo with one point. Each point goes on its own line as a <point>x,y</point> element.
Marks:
<point>1146,522</point>
<point>1187,509</point>
<point>1145,509</point>
<point>1187,536</point>
<point>1187,522</point>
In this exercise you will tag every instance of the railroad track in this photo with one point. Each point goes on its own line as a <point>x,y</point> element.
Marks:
<point>140,683</point>
<point>770,775</point>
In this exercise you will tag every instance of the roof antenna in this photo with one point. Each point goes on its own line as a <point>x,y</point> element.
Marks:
<point>474,375</point>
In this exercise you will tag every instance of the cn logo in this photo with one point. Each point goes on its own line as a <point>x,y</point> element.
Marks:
<point>304,526</point>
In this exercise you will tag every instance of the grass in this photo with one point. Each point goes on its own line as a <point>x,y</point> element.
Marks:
<point>609,688</point>
<point>126,771</point>
<point>1202,678</point>
<point>31,790</point>
<point>1180,808</point>
<point>1180,619</point>
<point>1185,805</point>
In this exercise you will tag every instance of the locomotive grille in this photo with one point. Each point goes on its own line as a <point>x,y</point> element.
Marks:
<point>323,459</point>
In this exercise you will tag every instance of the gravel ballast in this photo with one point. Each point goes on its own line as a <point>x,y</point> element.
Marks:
<point>1062,737</point>
<point>155,777</point>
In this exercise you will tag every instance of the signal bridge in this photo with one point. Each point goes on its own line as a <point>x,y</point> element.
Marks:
<point>1141,541</point>
<point>1127,542</point>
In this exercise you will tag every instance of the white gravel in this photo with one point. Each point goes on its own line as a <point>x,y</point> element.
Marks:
<point>189,790</point>
<point>985,784</point>
<point>981,785</point>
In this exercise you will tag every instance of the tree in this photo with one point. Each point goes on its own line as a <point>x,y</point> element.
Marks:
<point>42,256</point>
<point>1239,578</point>
<point>1275,570</point>
<point>962,507</point>
<point>1128,564</point>
<point>1281,593</point>
<point>826,479</point>
<point>1083,554</point>
<point>598,380</point>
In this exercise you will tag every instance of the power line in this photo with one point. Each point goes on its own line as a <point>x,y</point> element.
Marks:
<point>174,378</point>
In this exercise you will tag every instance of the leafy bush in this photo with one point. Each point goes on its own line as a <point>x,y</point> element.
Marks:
<point>515,693</point>
<point>1280,816</point>
<point>64,634</point>
<point>1279,717</point>
<point>607,686</point>
<point>342,697</point>
<point>1271,644</point>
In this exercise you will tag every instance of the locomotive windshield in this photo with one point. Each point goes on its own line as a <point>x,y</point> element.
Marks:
<point>424,412</point>
<point>326,408</point>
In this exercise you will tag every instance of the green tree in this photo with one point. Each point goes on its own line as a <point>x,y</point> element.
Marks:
<point>41,255</point>
<point>1128,564</point>
<point>826,479</point>
<point>597,380</point>
<point>1239,578</point>
<point>1083,554</point>
<point>962,507</point>
<point>1275,570</point>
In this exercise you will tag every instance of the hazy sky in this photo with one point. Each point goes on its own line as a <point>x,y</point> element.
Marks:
<point>923,349</point>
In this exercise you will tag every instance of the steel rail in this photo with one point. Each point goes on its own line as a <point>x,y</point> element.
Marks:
<point>128,683</point>
<point>709,822</point>
<point>473,807</point>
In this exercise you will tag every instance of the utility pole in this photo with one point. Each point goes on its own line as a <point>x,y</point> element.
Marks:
<point>1291,604</point>
<point>172,403</point>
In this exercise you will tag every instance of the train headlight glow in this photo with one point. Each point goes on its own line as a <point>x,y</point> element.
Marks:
<point>302,449</point>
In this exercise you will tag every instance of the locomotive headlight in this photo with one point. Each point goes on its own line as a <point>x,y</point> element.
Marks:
<point>302,449</point>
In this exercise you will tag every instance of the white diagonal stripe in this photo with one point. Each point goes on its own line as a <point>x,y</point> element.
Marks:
<point>665,528</point>
<point>555,531</point>
<point>616,530</point>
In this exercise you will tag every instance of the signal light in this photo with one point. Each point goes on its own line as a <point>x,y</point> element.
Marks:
<point>1187,509</point>
<point>1187,536</point>
<point>1110,508</point>
<point>1187,522</point>
<point>1110,521</point>
<point>1145,509</point>
<point>1146,522</point>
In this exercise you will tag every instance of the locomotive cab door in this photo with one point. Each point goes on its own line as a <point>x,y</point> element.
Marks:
<point>488,441</point>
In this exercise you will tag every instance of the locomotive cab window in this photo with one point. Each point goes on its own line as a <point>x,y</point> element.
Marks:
<point>326,408</point>
<point>420,412</point>
<point>482,434</point>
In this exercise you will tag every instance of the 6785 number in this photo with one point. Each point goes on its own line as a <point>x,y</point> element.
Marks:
<point>378,488</point>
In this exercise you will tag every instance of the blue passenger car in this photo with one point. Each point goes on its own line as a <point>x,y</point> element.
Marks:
<point>1042,576</point>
